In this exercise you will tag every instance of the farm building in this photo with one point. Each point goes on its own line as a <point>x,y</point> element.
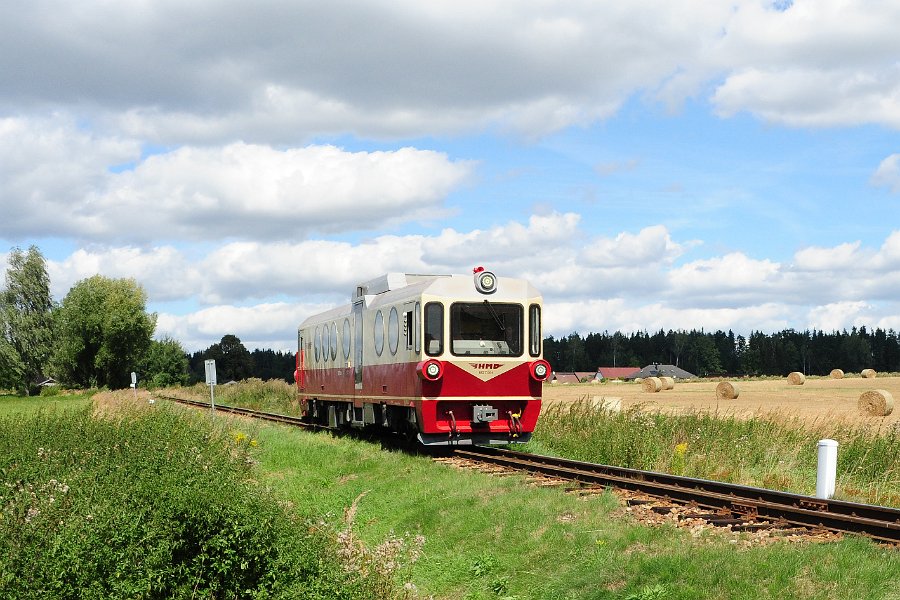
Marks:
<point>658,370</point>
<point>616,372</point>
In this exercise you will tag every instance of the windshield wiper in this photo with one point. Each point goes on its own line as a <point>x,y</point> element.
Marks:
<point>495,315</point>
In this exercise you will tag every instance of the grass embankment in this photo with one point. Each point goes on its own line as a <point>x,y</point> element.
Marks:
<point>475,536</point>
<point>772,452</point>
<point>489,537</point>
<point>154,505</point>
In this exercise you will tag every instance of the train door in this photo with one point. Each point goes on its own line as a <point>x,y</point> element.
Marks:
<point>358,343</point>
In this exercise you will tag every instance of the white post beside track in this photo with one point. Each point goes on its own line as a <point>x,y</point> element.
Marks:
<point>826,474</point>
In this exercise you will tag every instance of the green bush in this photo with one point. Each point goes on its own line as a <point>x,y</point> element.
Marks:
<point>156,506</point>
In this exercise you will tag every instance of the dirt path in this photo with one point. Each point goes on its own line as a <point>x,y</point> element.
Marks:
<point>816,400</point>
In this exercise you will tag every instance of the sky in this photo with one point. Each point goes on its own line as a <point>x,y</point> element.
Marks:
<point>647,165</point>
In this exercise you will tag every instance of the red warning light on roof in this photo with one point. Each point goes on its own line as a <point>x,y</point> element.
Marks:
<point>477,270</point>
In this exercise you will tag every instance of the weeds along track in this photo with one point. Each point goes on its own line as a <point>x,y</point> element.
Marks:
<point>742,508</point>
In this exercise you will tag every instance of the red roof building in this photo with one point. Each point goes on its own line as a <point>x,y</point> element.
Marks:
<point>616,372</point>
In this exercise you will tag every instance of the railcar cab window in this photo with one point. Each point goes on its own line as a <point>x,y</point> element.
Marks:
<point>486,329</point>
<point>534,328</point>
<point>434,329</point>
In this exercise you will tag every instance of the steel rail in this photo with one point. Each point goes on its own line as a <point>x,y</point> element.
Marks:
<point>249,412</point>
<point>879,522</point>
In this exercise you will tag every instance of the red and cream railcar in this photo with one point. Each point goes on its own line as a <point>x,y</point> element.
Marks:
<point>451,359</point>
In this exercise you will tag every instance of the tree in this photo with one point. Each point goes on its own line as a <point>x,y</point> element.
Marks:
<point>27,318</point>
<point>12,371</point>
<point>104,332</point>
<point>165,363</point>
<point>233,360</point>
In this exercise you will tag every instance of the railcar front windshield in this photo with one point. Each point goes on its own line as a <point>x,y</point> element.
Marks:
<point>486,329</point>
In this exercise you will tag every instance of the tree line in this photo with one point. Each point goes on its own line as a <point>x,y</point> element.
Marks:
<point>100,333</point>
<point>812,352</point>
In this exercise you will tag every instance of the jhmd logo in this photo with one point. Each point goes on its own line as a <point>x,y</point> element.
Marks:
<point>485,370</point>
<point>486,366</point>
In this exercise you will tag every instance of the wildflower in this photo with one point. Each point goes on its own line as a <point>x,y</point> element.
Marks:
<point>681,449</point>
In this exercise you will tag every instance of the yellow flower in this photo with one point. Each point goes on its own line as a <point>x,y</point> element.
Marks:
<point>681,449</point>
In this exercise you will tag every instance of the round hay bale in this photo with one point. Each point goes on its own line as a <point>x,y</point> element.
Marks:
<point>796,378</point>
<point>876,403</point>
<point>668,383</point>
<point>652,384</point>
<point>869,373</point>
<point>727,390</point>
<point>639,380</point>
<point>837,374</point>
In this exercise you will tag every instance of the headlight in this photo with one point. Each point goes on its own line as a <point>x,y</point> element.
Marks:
<point>430,370</point>
<point>485,281</point>
<point>540,370</point>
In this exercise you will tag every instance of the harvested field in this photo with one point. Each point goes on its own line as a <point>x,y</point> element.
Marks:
<point>817,399</point>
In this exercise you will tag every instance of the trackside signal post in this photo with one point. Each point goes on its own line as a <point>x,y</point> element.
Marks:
<point>211,382</point>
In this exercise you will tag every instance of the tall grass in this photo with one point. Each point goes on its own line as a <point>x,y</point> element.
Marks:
<point>776,452</point>
<point>274,395</point>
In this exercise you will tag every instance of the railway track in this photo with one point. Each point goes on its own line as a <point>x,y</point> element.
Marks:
<point>741,507</point>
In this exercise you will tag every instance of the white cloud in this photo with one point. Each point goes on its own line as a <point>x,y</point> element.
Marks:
<point>730,280</point>
<point>888,173</point>
<point>619,315</point>
<point>816,63</point>
<point>47,167</point>
<point>164,272</point>
<point>836,259</point>
<point>650,245</point>
<point>56,180</point>
<point>836,316</point>
<point>275,74</point>
<point>267,325</point>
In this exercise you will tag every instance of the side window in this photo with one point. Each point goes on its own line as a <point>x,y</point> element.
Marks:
<point>393,330</point>
<point>318,342</point>
<point>534,330</point>
<point>346,339</point>
<point>334,341</point>
<point>408,328</point>
<point>434,328</point>
<point>325,342</point>
<point>379,333</point>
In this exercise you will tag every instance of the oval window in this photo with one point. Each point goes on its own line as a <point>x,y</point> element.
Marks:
<point>346,339</point>
<point>393,330</point>
<point>325,342</point>
<point>318,344</point>
<point>334,341</point>
<point>379,333</point>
